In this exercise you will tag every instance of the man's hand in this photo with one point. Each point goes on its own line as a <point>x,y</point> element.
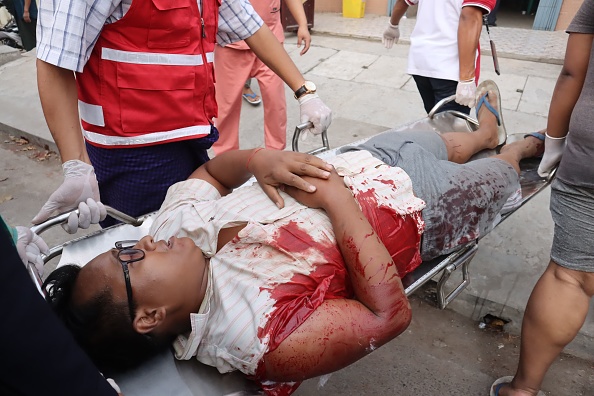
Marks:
<point>30,247</point>
<point>326,193</point>
<point>313,109</point>
<point>273,168</point>
<point>79,185</point>
<point>466,93</point>
<point>391,35</point>
<point>304,36</point>
<point>552,155</point>
<point>27,16</point>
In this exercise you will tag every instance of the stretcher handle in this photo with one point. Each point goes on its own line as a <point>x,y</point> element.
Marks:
<point>300,128</point>
<point>439,104</point>
<point>62,218</point>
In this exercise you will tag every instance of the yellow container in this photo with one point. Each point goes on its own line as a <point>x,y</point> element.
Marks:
<point>353,8</point>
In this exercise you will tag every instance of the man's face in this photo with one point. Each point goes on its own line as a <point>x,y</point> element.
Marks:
<point>171,274</point>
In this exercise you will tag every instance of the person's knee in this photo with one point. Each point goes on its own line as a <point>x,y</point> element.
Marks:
<point>573,278</point>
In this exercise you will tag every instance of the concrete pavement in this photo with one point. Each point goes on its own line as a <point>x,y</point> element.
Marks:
<point>369,91</point>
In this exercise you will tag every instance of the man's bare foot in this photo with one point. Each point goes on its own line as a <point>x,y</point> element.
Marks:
<point>488,121</point>
<point>528,147</point>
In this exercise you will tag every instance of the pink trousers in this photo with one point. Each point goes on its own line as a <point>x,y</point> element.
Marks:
<point>232,68</point>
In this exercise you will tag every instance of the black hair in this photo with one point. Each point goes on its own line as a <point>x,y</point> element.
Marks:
<point>101,326</point>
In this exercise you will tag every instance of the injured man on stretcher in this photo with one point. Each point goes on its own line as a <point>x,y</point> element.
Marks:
<point>288,291</point>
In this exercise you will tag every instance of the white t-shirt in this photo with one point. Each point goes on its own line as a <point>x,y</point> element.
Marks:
<point>434,40</point>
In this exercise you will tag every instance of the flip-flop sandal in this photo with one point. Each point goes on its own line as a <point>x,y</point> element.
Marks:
<point>481,99</point>
<point>499,383</point>
<point>252,98</point>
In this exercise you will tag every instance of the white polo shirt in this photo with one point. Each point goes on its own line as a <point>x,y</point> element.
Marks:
<point>434,40</point>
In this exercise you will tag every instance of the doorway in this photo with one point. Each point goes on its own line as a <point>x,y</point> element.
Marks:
<point>516,14</point>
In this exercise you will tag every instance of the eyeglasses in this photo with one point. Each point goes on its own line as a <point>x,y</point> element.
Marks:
<point>128,254</point>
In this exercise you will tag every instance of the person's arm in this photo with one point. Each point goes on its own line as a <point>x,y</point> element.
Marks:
<point>298,12</point>
<point>270,51</point>
<point>569,84</point>
<point>469,33</point>
<point>392,33</point>
<point>26,14</point>
<point>565,96</point>
<point>342,331</point>
<point>398,11</point>
<point>59,101</point>
<point>271,168</point>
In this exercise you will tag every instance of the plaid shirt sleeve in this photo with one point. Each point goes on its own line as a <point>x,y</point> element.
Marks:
<point>67,30</point>
<point>237,21</point>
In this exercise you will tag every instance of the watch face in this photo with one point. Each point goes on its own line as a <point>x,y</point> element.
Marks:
<point>310,86</point>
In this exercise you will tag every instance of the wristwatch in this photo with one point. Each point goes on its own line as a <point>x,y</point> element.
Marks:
<point>308,87</point>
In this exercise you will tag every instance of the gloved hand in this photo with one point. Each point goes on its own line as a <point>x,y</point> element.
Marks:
<point>313,109</point>
<point>466,93</point>
<point>552,154</point>
<point>79,184</point>
<point>30,247</point>
<point>89,212</point>
<point>391,35</point>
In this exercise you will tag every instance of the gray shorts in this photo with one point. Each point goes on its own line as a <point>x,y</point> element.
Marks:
<point>462,200</point>
<point>572,209</point>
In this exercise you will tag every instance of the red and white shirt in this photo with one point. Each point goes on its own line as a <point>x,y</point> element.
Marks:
<point>434,40</point>
<point>284,263</point>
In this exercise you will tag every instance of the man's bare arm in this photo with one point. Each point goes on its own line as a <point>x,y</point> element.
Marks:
<point>298,12</point>
<point>469,33</point>
<point>398,12</point>
<point>270,167</point>
<point>569,84</point>
<point>342,331</point>
<point>270,51</point>
<point>59,100</point>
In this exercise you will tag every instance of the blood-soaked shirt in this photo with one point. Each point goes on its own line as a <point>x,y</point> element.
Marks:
<point>285,262</point>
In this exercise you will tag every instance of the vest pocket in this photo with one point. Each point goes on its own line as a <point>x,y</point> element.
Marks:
<point>156,98</point>
<point>170,24</point>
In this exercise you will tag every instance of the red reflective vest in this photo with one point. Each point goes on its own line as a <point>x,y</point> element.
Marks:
<point>150,77</point>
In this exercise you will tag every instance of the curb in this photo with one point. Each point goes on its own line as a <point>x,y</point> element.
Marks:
<point>486,52</point>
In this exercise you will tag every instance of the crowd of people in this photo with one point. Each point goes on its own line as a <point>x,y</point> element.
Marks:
<point>136,96</point>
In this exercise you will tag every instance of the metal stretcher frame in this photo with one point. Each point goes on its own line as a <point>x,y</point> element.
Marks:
<point>163,375</point>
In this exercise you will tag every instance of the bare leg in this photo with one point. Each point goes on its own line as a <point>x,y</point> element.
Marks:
<point>463,145</point>
<point>556,310</point>
<point>514,152</point>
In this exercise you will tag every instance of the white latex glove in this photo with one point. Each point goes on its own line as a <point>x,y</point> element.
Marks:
<point>80,183</point>
<point>391,35</point>
<point>466,93</point>
<point>30,247</point>
<point>89,212</point>
<point>313,109</point>
<point>552,154</point>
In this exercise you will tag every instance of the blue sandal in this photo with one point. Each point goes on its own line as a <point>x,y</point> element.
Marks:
<point>482,94</point>
<point>252,98</point>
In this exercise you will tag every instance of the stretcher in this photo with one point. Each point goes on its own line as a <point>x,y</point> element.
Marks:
<point>163,375</point>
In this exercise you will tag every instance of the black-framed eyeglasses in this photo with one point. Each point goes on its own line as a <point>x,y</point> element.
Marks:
<point>128,254</point>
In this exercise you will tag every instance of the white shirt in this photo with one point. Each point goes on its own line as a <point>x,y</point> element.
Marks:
<point>434,40</point>
<point>68,30</point>
<point>230,332</point>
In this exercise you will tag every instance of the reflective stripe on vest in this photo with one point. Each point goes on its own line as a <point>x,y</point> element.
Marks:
<point>145,140</point>
<point>152,58</point>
